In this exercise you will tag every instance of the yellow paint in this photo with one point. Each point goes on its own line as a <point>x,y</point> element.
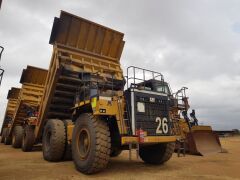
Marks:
<point>148,139</point>
<point>81,103</point>
<point>94,102</point>
<point>112,106</point>
<point>69,132</point>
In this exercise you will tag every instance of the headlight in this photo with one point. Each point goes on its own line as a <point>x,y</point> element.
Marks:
<point>140,107</point>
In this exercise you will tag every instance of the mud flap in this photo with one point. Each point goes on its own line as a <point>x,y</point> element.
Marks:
<point>203,143</point>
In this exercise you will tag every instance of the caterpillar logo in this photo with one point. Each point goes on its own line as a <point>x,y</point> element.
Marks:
<point>152,99</point>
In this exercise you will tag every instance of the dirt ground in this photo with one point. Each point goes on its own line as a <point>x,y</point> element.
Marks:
<point>17,165</point>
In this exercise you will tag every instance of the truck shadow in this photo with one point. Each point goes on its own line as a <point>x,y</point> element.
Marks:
<point>123,166</point>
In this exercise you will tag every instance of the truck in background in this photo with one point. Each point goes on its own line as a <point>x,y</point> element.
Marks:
<point>12,97</point>
<point>26,107</point>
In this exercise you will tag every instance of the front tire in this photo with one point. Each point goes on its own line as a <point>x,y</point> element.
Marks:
<point>17,137</point>
<point>54,138</point>
<point>91,144</point>
<point>157,154</point>
<point>28,139</point>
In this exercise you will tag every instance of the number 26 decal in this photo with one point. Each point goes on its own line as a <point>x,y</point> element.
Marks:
<point>162,127</point>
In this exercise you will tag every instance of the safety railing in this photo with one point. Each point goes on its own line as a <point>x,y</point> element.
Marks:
<point>136,75</point>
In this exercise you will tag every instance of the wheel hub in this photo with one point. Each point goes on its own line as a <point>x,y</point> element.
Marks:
<point>83,143</point>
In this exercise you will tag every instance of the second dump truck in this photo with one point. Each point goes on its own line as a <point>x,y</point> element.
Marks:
<point>85,112</point>
<point>26,103</point>
<point>12,97</point>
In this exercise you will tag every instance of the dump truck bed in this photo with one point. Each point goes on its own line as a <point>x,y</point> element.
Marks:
<point>12,97</point>
<point>33,81</point>
<point>79,46</point>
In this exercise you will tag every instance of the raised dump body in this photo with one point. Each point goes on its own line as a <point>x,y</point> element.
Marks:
<point>79,46</point>
<point>12,97</point>
<point>33,81</point>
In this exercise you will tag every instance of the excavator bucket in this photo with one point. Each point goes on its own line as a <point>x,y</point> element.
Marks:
<point>203,141</point>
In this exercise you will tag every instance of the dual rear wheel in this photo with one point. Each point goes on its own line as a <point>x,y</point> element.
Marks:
<point>20,138</point>
<point>28,138</point>
<point>23,137</point>
<point>17,136</point>
<point>55,143</point>
<point>54,138</point>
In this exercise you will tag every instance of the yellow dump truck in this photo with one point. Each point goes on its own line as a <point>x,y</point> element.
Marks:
<point>85,112</point>
<point>12,97</point>
<point>27,104</point>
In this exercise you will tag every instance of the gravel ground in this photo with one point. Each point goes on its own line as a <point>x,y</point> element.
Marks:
<point>18,165</point>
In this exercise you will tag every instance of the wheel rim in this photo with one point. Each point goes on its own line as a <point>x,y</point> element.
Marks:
<point>83,143</point>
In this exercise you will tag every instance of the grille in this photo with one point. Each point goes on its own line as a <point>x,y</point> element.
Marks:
<point>147,120</point>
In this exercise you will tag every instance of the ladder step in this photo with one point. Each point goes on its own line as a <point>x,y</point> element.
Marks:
<point>181,148</point>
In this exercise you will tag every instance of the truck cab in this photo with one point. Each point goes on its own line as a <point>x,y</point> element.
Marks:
<point>148,103</point>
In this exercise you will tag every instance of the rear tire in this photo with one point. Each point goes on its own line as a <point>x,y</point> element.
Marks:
<point>3,135</point>
<point>28,139</point>
<point>8,138</point>
<point>17,136</point>
<point>54,138</point>
<point>67,156</point>
<point>157,154</point>
<point>91,144</point>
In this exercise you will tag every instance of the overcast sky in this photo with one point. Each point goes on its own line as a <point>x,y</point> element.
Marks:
<point>193,43</point>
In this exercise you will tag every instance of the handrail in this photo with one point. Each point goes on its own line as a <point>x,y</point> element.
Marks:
<point>1,75</point>
<point>1,51</point>
<point>154,75</point>
<point>1,70</point>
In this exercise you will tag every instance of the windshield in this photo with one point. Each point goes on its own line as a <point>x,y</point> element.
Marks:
<point>163,89</point>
